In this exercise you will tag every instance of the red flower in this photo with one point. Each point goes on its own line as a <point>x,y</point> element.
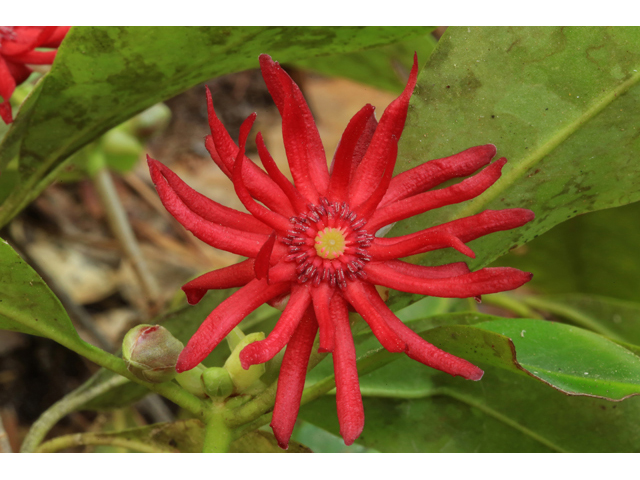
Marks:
<point>315,241</point>
<point>17,49</point>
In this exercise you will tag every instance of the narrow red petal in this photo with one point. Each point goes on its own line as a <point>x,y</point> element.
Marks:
<point>297,200</point>
<point>321,296</point>
<point>291,379</point>
<point>465,190</point>
<point>283,272</point>
<point>7,82</point>
<point>424,352</point>
<point>224,318</point>
<point>434,172</point>
<point>343,161</point>
<point>273,219</point>
<point>27,38</point>
<point>209,209</point>
<point>368,207</point>
<point>481,282</point>
<point>464,229</point>
<point>265,350</point>
<point>384,141</point>
<point>361,300</point>
<point>36,57</point>
<point>293,108</point>
<point>56,37</point>
<point>235,241</point>
<point>424,243</point>
<point>236,275</point>
<point>258,182</point>
<point>263,260</point>
<point>294,136</point>
<point>419,271</point>
<point>348,396</point>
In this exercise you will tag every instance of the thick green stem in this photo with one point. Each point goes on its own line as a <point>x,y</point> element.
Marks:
<point>217,436</point>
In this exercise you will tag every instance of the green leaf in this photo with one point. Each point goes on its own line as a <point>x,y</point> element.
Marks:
<point>104,75</point>
<point>595,254</point>
<point>27,304</point>
<point>503,412</point>
<point>572,360</point>
<point>561,104</point>
<point>385,67</point>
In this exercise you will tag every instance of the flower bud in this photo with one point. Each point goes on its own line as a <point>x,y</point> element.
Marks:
<point>151,353</point>
<point>217,382</point>
<point>191,381</point>
<point>241,378</point>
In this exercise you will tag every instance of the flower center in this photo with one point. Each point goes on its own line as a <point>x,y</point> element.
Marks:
<point>328,244</point>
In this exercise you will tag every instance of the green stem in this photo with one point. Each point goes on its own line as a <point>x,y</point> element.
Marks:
<point>217,435</point>
<point>511,303</point>
<point>79,439</point>
<point>61,408</point>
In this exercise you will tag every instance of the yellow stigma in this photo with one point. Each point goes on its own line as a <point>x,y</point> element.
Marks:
<point>330,243</point>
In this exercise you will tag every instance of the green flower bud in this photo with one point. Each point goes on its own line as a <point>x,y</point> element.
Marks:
<point>241,378</point>
<point>191,381</point>
<point>217,382</point>
<point>151,353</point>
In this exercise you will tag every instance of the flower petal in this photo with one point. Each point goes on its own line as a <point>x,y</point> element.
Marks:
<point>297,200</point>
<point>350,150</point>
<point>36,57</point>
<point>232,276</point>
<point>361,300</point>
<point>209,209</point>
<point>273,219</point>
<point>321,296</point>
<point>384,141</point>
<point>265,350</point>
<point>299,130</point>
<point>464,229</point>
<point>224,318</point>
<point>291,379</point>
<point>258,183</point>
<point>421,350</point>
<point>484,281</point>
<point>465,190</point>
<point>419,271</point>
<point>434,172</point>
<point>435,240</point>
<point>263,260</point>
<point>225,238</point>
<point>348,396</point>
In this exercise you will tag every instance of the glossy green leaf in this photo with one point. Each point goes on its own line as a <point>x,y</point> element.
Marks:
<point>595,253</point>
<point>561,104</point>
<point>573,360</point>
<point>27,304</point>
<point>503,412</point>
<point>385,67</point>
<point>104,75</point>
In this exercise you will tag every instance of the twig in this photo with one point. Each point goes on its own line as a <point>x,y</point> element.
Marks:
<point>121,228</point>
